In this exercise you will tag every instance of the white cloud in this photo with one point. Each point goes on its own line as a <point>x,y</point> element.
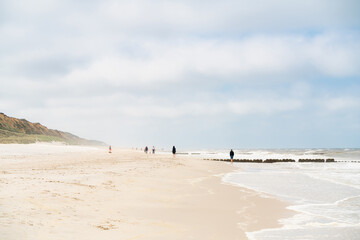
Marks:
<point>265,106</point>
<point>229,16</point>
<point>257,56</point>
<point>335,55</point>
<point>341,103</point>
<point>152,106</point>
<point>117,71</point>
<point>137,42</point>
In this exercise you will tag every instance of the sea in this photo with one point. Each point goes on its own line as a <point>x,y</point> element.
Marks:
<point>324,196</point>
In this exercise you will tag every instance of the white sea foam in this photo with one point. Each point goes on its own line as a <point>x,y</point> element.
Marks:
<point>326,196</point>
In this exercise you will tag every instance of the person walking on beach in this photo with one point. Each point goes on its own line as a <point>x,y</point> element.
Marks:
<point>174,151</point>
<point>110,149</point>
<point>146,149</point>
<point>231,155</point>
<point>153,150</point>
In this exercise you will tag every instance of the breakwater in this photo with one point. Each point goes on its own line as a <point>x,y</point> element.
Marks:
<point>320,160</point>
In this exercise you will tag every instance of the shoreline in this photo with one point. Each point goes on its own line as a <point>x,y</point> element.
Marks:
<point>128,195</point>
<point>320,204</point>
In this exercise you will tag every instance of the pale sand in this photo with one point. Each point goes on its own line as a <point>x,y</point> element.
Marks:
<point>125,195</point>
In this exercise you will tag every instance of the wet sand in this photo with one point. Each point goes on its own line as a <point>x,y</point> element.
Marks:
<point>125,195</point>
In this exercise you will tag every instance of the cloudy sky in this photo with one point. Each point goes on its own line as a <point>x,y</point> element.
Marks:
<point>196,74</point>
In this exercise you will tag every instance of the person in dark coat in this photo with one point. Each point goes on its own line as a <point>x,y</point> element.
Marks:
<point>232,155</point>
<point>174,151</point>
<point>146,149</point>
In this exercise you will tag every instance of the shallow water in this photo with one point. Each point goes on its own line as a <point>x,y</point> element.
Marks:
<point>326,196</point>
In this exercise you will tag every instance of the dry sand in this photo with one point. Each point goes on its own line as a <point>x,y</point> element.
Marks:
<point>125,195</point>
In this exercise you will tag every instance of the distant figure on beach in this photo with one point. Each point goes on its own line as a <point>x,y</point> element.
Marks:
<point>153,150</point>
<point>174,151</point>
<point>231,155</point>
<point>110,149</point>
<point>146,149</point>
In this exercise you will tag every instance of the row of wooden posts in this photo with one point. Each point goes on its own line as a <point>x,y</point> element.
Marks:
<point>274,160</point>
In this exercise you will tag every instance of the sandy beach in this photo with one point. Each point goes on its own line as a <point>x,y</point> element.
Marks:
<point>87,193</point>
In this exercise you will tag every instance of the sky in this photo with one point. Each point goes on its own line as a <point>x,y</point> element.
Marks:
<point>195,74</point>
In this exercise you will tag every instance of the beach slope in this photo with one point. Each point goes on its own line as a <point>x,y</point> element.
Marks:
<point>92,194</point>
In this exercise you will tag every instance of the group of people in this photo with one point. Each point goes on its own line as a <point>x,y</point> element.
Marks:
<point>146,150</point>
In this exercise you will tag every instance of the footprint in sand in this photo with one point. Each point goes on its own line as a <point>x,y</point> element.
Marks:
<point>107,226</point>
